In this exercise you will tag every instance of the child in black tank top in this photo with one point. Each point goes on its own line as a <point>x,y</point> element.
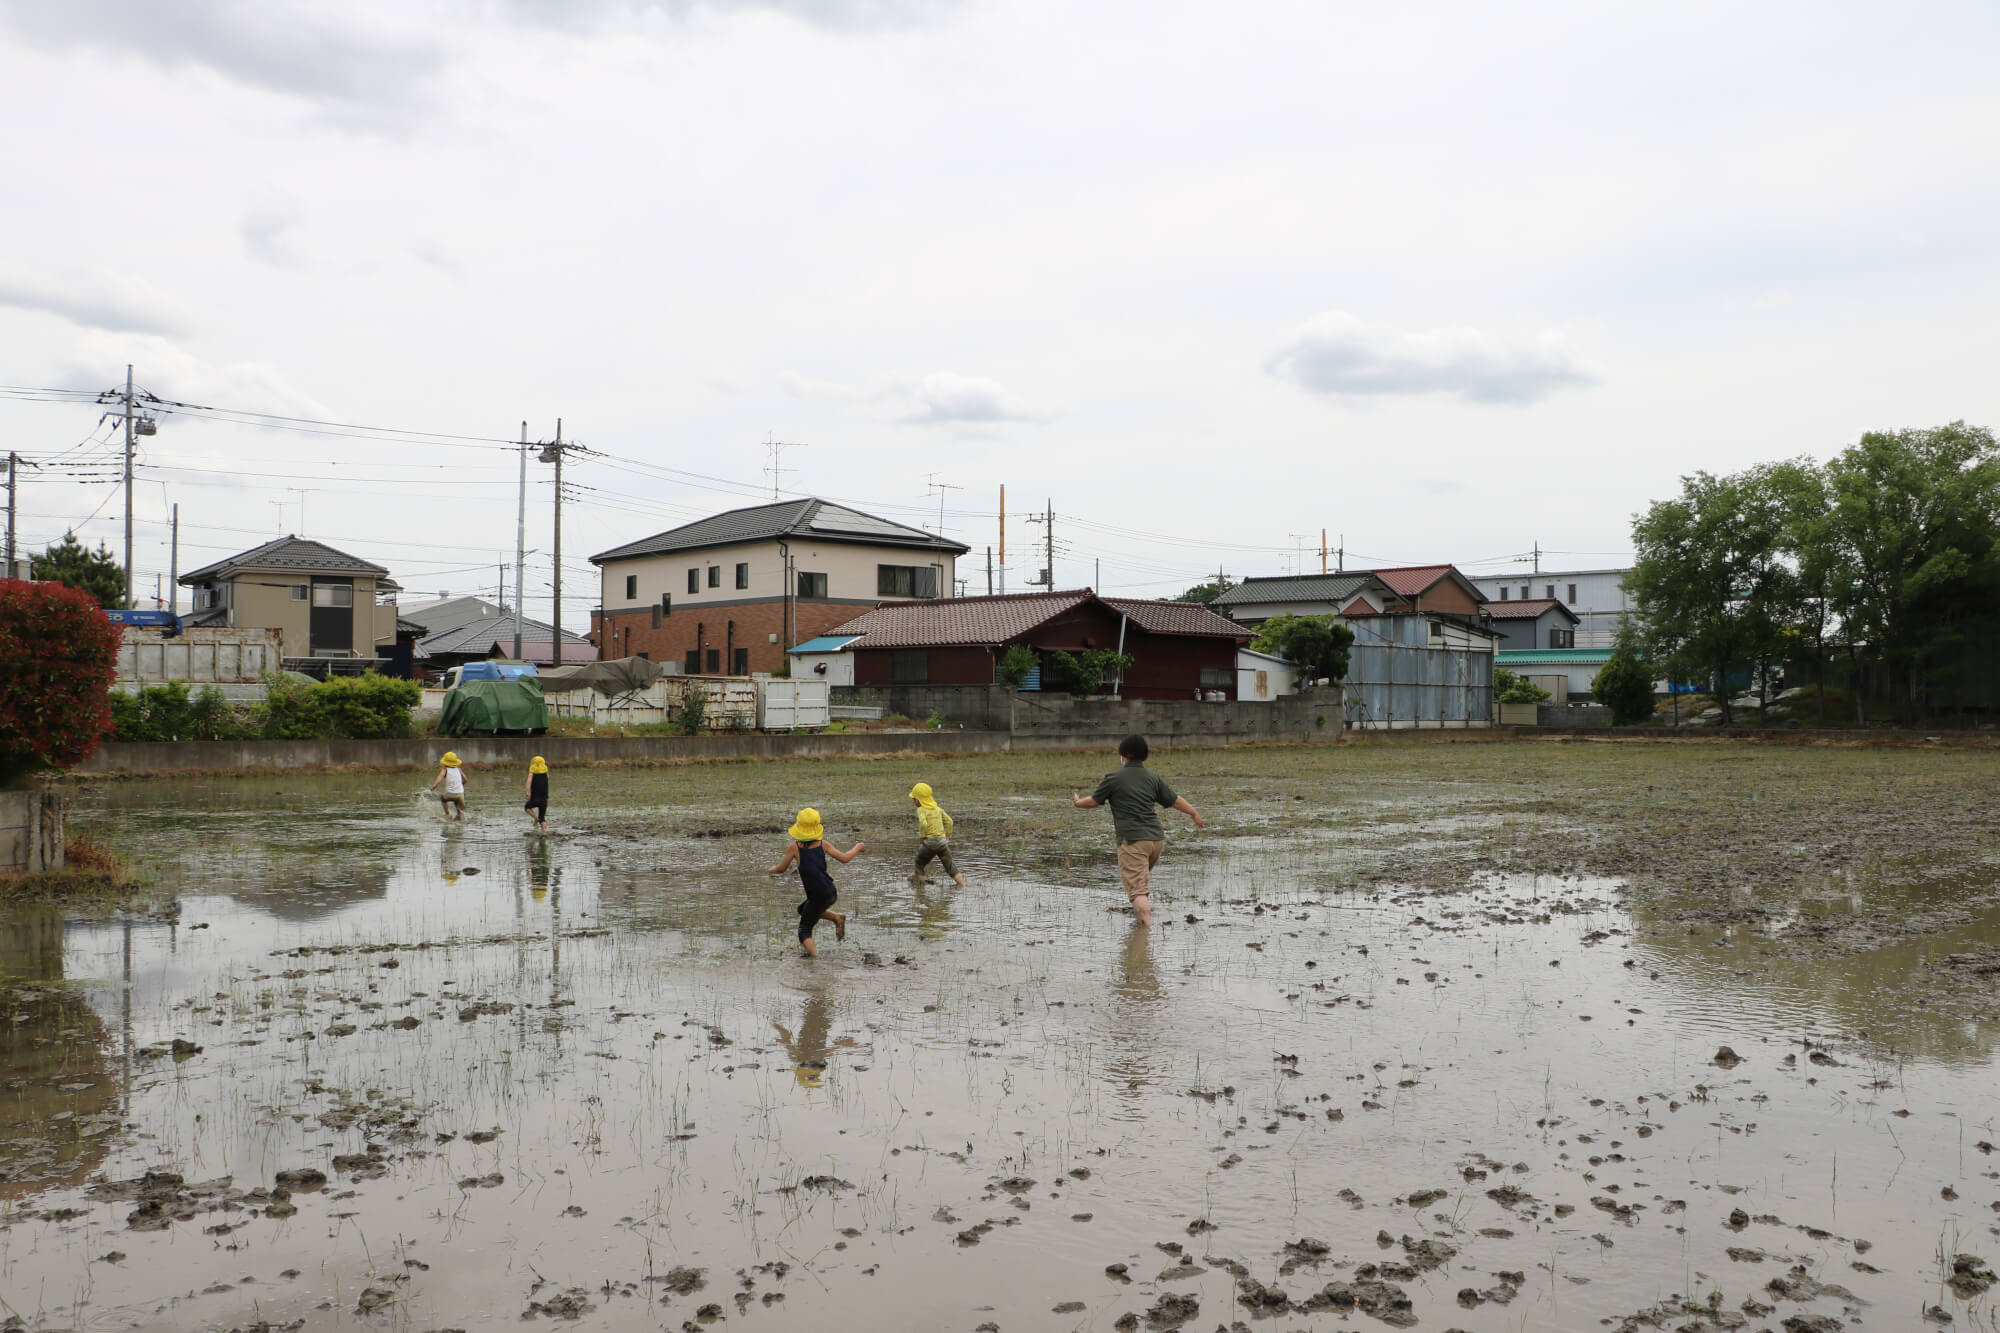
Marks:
<point>809,851</point>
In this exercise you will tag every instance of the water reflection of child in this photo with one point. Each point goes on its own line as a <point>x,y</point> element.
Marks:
<point>452,775</point>
<point>809,851</point>
<point>809,1048</point>
<point>537,792</point>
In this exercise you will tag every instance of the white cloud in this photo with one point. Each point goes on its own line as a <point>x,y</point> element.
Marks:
<point>270,228</point>
<point>939,398</point>
<point>171,371</point>
<point>93,300</point>
<point>1334,353</point>
<point>321,53</point>
<point>847,16</point>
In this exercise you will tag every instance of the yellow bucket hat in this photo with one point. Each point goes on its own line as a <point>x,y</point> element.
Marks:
<point>450,759</point>
<point>538,765</point>
<point>807,828</point>
<point>921,794</point>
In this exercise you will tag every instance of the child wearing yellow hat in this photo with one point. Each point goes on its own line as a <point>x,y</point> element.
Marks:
<point>809,850</point>
<point>933,833</point>
<point>537,792</point>
<point>452,774</point>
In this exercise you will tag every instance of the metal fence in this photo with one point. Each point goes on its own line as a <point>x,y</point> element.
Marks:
<point>1396,678</point>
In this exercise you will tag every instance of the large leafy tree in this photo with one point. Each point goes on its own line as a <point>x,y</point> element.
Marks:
<point>1710,577</point>
<point>1624,683</point>
<point>74,565</point>
<point>1207,592</point>
<point>1913,524</point>
<point>1320,644</point>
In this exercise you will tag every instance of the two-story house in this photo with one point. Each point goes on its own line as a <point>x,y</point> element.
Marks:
<point>728,595</point>
<point>326,603</point>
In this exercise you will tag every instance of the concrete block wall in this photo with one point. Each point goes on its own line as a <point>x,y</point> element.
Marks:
<point>1572,715</point>
<point>974,707</point>
<point>31,831</point>
<point>1311,718</point>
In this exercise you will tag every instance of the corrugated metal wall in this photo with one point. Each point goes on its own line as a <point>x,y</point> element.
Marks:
<point>1395,678</point>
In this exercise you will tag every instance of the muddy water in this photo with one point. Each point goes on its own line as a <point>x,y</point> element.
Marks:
<point>586,1079</point>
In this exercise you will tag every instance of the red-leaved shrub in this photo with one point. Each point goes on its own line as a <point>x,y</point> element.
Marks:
<point>58,659</point>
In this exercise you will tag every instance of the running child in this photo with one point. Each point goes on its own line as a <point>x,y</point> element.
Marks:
<point>537,791</point>
<point>934,834</point>
<point>809,849</point>
<point>452,775</point>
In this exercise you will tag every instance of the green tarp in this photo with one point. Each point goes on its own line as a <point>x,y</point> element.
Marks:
<point>489,707</point>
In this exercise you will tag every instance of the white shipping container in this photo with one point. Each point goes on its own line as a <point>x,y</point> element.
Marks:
<point>791,705</point>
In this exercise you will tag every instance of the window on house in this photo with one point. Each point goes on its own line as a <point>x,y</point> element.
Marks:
<point>811,585</point>
<point>693,663</point>
<point>715,576</point>
<point>1562,638</point>
<point>714,661</point>
<point>906,580</point>
<point>1525,594</point>
<point>912,667</point>
<point>631,587</point>
<point>1503,595</point>
<point>694,580</point>
<point>300,592</point>
<point>741,666</point>
<point>333,594</point>
<point>1217,678</point>
<point>656,617</point>
<point>1552,592</point>
<point>1437,630</point>
<point>743,574</point>
<point>1572,594</point>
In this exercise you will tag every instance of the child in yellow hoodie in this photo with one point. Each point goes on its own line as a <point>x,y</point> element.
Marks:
<point>934,829</point>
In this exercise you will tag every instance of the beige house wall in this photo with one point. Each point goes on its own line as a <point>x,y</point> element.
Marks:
<point>263,600</point>
<point>849,569</point>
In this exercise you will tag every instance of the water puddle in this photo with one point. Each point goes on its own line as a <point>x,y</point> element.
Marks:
<point>462,1077</point>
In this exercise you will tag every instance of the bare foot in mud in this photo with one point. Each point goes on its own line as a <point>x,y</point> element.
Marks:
<point>812,949</point>
<point>839,920</point>
<point>958,880</point>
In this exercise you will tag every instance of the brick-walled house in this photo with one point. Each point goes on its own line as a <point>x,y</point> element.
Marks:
<point>728,595</point>
<point>1178,649</point>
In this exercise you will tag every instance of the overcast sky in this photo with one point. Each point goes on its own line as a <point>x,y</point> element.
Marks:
<point>1448,280</point>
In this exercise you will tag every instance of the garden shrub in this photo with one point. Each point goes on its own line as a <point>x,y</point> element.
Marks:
<point>366,707</point>
<point>58,658</point>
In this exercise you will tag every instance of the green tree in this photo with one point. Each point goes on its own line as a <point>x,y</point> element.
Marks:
<point>1625,683</point>
<point>1710,578</point>
<point>72,564</point>
<point>1319,644</point>
<point>1206,593</point>
<point>1509,688</point>
<point>1015,665</point>
<point>1913,525</point>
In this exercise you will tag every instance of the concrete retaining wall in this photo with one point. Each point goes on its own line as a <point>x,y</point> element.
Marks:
<point>31,831</point>
<point>1572,715</point>
<point>975,707</point>
<point>1058,721</point>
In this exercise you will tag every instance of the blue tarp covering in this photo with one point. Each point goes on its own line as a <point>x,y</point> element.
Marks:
<point>496,670</point>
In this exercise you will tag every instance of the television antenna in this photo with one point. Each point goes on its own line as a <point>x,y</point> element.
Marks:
<point>776,449</point>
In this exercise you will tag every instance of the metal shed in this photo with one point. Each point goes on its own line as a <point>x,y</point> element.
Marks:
<point>1419,671</point>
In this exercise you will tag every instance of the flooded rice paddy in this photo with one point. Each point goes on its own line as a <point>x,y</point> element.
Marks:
<point>1425,1036</point>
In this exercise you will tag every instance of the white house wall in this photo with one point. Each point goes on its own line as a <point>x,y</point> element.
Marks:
<point>850,574</point>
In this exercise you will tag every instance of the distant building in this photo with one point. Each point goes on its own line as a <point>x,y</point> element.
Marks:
<point>1256,600</point>
<point>728,595</point>
<point>1596,596</point>
<point>1179,650</point>
<point>326,605</point>
<point>1536,623</point>
<point>450,612</point>
<point>493,636</point>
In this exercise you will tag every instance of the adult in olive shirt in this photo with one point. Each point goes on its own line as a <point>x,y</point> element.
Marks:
<point>1133,791</point>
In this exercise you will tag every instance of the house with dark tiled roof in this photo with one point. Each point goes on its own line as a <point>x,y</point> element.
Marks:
<point>493,636</point>
<point>1540,622</point>
<point>328,605</point>
<point>1179,650</point>
<point>728,594</point>
<point>1357,593</point>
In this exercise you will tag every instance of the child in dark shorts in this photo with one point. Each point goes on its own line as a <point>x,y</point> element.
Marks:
<point>809,850</point>
<point>537,791</point>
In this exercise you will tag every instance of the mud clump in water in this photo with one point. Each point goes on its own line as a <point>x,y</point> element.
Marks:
<point>1172,1310</point>
<point>1727,1058</point>
<point>1969,1276</point>
<point>1369,1294</point>
<point>301,1178</point>
<point>683,1281</point>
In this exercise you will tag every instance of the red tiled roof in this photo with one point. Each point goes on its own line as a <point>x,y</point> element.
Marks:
<point>1177,618</point>
<point>1412,580</point>
<point>1526,610</point>
<point>957,620</point>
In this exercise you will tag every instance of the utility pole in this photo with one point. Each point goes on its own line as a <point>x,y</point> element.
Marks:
<point>1049,538</point>
<point>553,453</point>
<point>174,564</point>
<point>1340,555</point>
<point>130,591</point>
<point>503,592</point>
<point>1003,539</point>
<point>1538,555</point>
<point>1097,574</point>
<point>989,553</point>
<point>1322,550</point>
<point>13,479</point>
<point>520,541</point>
